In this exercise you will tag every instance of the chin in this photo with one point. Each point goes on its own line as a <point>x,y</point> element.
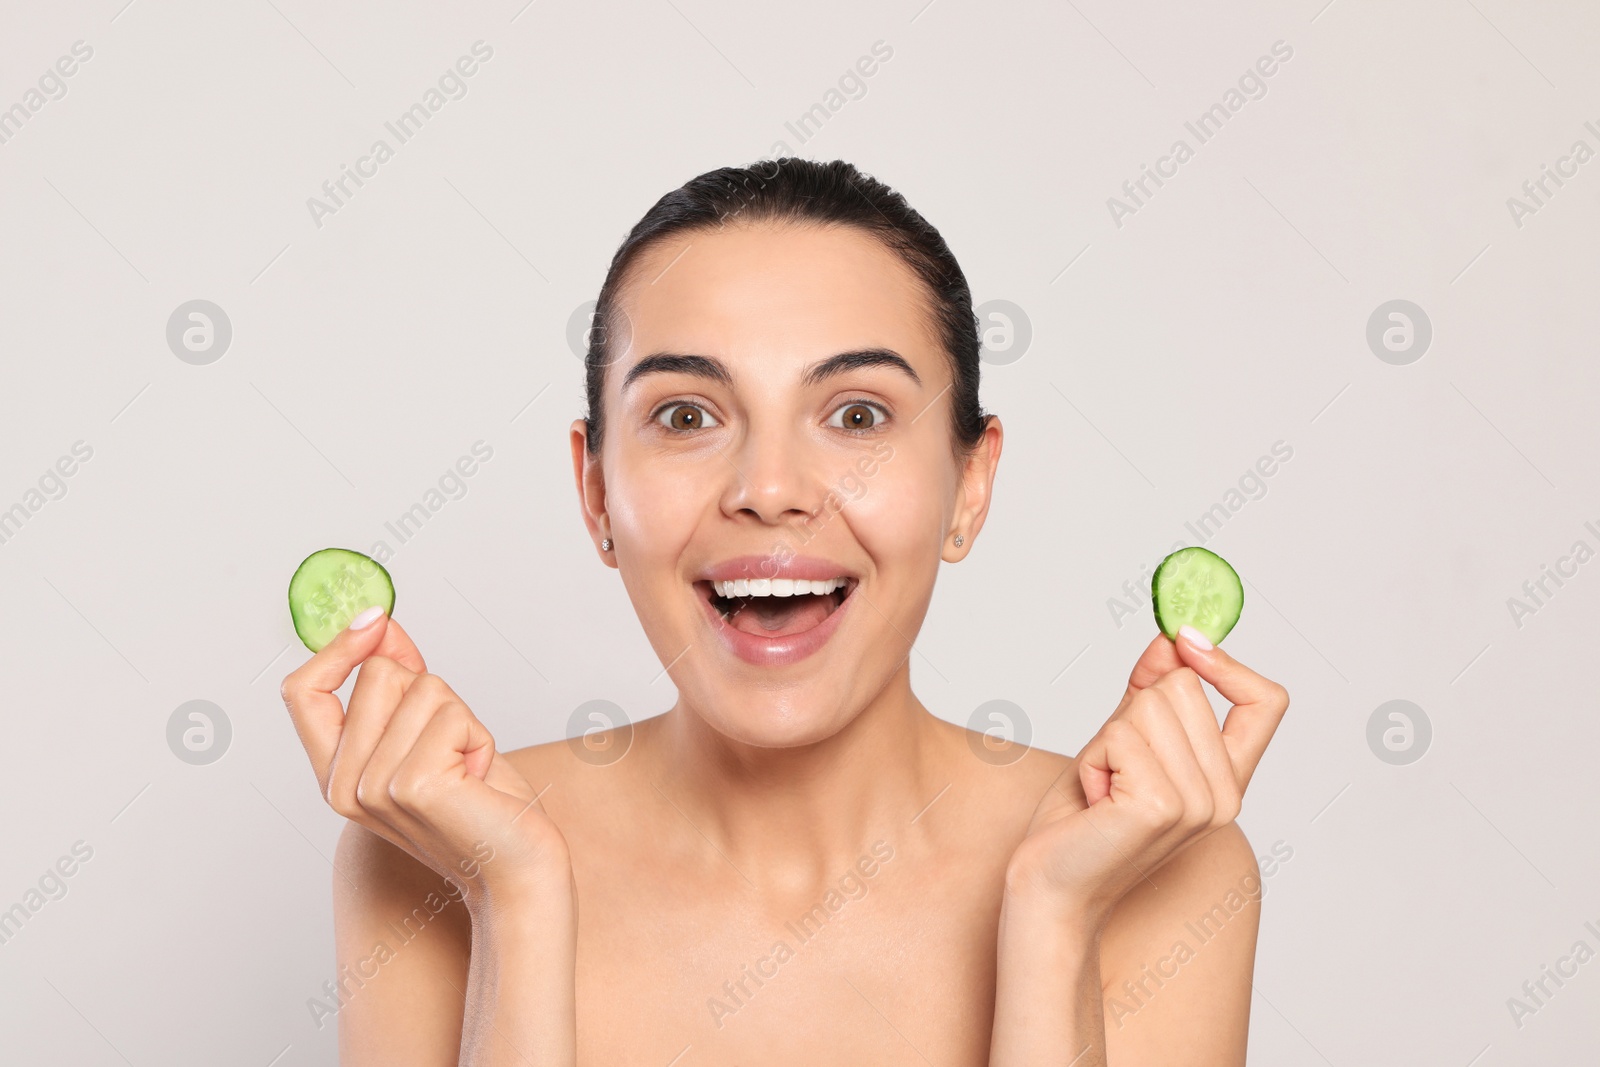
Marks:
<point>791,717</point>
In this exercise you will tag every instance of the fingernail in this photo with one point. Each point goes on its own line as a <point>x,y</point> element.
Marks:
<point>1196,638</point>
<point>370,616</point>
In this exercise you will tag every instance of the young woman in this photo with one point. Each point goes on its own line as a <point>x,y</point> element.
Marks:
<point>797,862</point>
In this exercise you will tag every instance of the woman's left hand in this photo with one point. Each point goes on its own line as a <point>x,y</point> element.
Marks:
<point>1158,776</point>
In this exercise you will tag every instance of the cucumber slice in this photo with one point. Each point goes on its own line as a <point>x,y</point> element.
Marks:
<point>333,586</point>
<point>1196,587</point>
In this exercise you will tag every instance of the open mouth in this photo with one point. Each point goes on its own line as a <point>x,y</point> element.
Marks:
<point>776,607</point>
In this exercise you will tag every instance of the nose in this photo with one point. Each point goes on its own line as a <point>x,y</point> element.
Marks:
<point>771,474</point>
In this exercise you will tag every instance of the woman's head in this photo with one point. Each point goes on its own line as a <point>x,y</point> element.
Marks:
<point>782,383</point>
<point>799,191</point>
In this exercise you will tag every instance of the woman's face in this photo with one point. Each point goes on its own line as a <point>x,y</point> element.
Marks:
<point>779,409</point>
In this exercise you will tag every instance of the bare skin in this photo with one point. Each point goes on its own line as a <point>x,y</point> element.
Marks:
<point>796,863</point>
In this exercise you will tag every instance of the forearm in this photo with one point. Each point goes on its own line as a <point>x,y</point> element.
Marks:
<point>1047,992</point>
<point>520,998</point>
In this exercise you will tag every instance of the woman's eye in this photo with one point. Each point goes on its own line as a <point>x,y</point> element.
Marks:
<point>859,415</point>
<point>686,417</point>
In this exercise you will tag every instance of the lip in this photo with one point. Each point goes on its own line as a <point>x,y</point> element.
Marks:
<point>774,651</point>
<point>811,568</point>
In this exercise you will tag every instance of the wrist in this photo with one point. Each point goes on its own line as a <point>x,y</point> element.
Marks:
<point>1047,983</point>
<point>532,900</point>
<point>521,984</point>
<point>1050,923</point>
<point>1036,899</point>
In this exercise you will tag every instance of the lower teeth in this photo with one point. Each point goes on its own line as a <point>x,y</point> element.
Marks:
<point>775,616</point>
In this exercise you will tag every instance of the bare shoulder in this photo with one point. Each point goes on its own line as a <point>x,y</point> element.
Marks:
<point>1005,776</point>
<point>1013,765</point>
<point>403,939</point>
<point>1178,953</point>
<point>371,873</point>
<point>538,763</point>
<point>403,932</point>
<point>1204,887</point>
<point>576,763</point>
<point>587,785</point>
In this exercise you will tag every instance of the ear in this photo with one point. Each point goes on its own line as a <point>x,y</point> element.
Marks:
<point>975,491</point>
<point>590,479</point>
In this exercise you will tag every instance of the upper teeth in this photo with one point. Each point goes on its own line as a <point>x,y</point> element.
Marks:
<point>776,586</point>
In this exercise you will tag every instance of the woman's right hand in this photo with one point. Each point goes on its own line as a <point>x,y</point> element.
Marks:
<point>410,762</point>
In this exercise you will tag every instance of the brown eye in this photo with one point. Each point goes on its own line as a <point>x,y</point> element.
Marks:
<point>859,416</point>
<point>685,417</point>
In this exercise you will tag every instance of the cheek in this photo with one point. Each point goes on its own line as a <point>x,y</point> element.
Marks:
<point>655,511</point>
<point>901,508</point>
<point>656,507</point>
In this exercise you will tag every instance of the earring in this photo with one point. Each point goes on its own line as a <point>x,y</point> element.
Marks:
<point>605,545</point>
<point>959,540</point>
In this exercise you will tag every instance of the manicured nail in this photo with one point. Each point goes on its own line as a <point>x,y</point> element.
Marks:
<point>374,613</point>
<point>1196,638</point>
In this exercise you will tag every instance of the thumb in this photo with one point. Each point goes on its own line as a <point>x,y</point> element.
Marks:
<point>371,633</point>
<point>1160,657</point>
<point>501,775</point>
<point>309,690</point>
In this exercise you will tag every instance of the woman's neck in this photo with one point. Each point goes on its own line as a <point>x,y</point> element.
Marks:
<point>798,815</point>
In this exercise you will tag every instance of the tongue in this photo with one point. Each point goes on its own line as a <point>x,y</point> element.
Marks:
<point>780,616</point>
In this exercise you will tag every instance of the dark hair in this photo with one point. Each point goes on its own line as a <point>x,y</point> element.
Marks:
<point>790,189</point>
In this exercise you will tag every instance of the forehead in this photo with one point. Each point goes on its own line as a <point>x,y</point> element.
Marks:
<point>774,292</point>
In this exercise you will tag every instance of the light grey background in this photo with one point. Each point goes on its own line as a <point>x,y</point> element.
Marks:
<point>1167,355</point>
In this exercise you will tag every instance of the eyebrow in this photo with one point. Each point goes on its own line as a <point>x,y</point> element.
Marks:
<point>715,370</point>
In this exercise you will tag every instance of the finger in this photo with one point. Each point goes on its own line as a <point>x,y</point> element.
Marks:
<point>308,691</point>
<point>1154,716</point>
<point>1158,659</point>
<point>1141,805</point>
<point>1258,704</point>
<point>436,767</point>
<point>381,686</point>
<point>505,778</point>
<point>418,706</point>
<point>1193,709</point>
<point>1119,764</point>
<point>398,646</point>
